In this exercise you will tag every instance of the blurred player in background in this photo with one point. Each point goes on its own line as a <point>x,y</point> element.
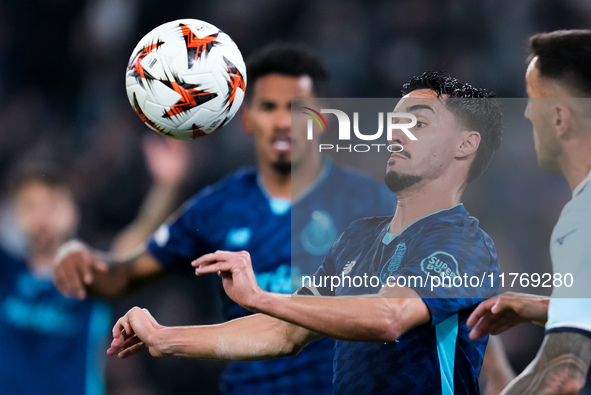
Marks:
<point>558,82</point>
<point>396,339</point>
<point>251,210</point>
<point>52,344</point>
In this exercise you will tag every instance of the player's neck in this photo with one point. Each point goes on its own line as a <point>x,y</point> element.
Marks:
<point>422,200</point>
<point>46,248</point>
<point>576,165</point>
<point>292,184</point>
<point>277,184</point>
<point>41,257</point>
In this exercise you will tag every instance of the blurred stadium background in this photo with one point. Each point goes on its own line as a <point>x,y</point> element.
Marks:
<point>62,98</point>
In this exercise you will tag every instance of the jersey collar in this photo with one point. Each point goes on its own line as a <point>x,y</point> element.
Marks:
<point>579,188</point>
<point>326,166</point>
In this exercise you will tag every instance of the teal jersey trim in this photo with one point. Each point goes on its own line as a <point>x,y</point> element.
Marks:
<point>388,237</point>
<point>279,206</point>
<point>447,335</point>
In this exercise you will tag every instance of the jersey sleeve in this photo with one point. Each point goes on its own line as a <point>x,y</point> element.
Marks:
<point>457,270</point>
<point>181,240</point>
<point>571,263</point>
<point>571,256</point>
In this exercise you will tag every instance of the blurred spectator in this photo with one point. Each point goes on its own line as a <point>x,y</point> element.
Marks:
<point>52,344</point>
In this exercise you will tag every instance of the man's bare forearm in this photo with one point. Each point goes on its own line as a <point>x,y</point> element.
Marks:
<point>380,317</point>
<point>157,206</point>
<point>496,367</point>
<point>255,337</point>
<point>534,309</point>
<point>371,318</point>
<point>559,368</point>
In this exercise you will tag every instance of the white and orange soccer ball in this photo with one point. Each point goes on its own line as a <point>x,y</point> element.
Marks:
<point>186,79</point>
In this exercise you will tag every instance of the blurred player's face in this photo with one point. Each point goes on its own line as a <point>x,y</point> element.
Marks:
<point>46,214</point>
<point>437,134</point>
<point>539,112</point>
<point>267,116</point>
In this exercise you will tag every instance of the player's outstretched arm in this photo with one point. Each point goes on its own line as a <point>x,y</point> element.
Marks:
<point>498,314</point>
<point>255,337</point>
<point>496,367</point>
<point>168,161</point>
<point>78,270</point>
<point>559,368</point>
<point>378,318</point>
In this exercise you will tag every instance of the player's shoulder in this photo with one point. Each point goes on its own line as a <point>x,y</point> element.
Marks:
<point>452,225</point>
<point>579,208</point>
<point>245,177</point>
<point>232,186</point>
<point>574,224</point>
<point>456,217</point>
<point>452,238</point>
<point>10,262</point>
<point>456,232</point>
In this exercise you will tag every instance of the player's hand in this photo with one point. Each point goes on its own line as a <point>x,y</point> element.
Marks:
<point>136,331</point>
<point>74,269</point>
<point>167,159</point>
<point>235,269</point>
<point>498,314</point>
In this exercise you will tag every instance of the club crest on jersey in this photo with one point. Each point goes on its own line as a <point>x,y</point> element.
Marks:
<point>393,263</point>
<point>348,267</point>
<point>440,264</point>
<point>319,234</point>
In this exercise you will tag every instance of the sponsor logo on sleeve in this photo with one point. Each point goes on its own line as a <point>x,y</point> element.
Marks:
<point>560,240</point>
<point>440,264</point>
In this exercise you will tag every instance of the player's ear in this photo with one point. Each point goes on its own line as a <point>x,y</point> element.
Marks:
<point>469,144</point>
<point>563,120</point>
<point>246,119</point>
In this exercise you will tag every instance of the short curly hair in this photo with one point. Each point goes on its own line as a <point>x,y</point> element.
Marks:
<point>288,59</point>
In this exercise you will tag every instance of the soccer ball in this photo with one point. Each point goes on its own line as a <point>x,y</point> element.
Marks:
<point>186,79</point>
